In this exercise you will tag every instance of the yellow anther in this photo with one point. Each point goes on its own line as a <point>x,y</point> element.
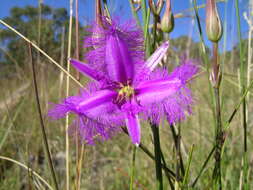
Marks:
<point>126,92</point>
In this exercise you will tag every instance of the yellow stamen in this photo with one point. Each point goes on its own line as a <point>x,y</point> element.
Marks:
<point>126,92</point>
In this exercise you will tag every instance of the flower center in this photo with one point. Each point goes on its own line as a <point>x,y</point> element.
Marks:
<point>125,93</point>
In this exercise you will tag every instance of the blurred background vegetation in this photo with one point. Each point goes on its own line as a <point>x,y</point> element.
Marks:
<point>106,165</point>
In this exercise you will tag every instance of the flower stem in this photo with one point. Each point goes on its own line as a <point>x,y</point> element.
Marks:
<point>157,149</point>
<point>169,173</point>
<point>46,146</point>
<point>216,77</point>
<point>156,18</point>
<point>203,166</point>
<point>67,94</point>
<point>133,169</point>
<point>177,141</point>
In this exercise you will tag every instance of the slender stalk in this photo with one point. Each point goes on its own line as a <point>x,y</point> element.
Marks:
<point>77,39</point>
<point>216,74</point>
<point>164,167</point>
<point>156,18</point>
<point>166,173</point>
<point>61,61</point>
<point>149,154</point>
<point>242,74</point>
<point>177,142</point>
<point>243,83</point>
<point>43,131</point>
<point>203,167</point>
<point>41,51</point>
<point>146,35</point>
<point>79,167</point>
<point>144,13</point>
<point>185,180</point>
<point>67,94</point>
<point>29,169</point>
<point>226,127</point>
<point>133,169</point>
<point>157,149</point>
<point>134,12</point>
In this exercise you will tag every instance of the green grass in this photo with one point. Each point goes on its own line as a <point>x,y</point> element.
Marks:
<point>109,165</point>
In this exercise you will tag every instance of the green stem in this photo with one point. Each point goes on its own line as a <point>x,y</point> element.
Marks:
<point>43,131</point>
<point>144,13</point>
<point>242,74</point>
<point>156,18</point>
<point>177,142</point>
<point>133,169</point>
<point>215,77</point>
<point>157,149</point>
<point>134,12</point>
<point>203,167</point>
<point>242,87</point>
<point>168,171</point>
<point>218,141</point>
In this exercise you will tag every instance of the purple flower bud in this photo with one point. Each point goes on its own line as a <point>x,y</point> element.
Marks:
<point>213,22</point>
<point>167,24</point>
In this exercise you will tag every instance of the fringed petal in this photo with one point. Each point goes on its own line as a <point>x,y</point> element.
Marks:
<point>133,128</point>
<point>91,131</point>
<point>87,70</point>
<point>167,97</point>
<point>156,90</point>
<point>116,49</point>
<point>119,63</point>
<point>185,71</point>
<point>156,57</point>
<point>98,98</point>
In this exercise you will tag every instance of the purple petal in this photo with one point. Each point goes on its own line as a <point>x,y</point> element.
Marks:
<point>68,105</point>
<point>91,130</point>
<point>133,127</point>
<point>93,105</point>
<point>114,49</point>
<point>157,90</point>
<point>86,70</point>
<point>166,96</point>
<point>98,98</point>
<point>118,60</point>
<point>157,56</point>
<point>185,71</point>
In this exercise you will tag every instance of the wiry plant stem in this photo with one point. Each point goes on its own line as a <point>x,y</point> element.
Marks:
<point>79,150</point>
<point>132,168</point>
<point>168,171</point>
<point>43,131</point>
<point>177,142</point>
<point>243,84</point>
<point>216,77</point>
<point>41,51</point>
<point>67,94</point>
<point>158,158</point>
<point>156,18</point>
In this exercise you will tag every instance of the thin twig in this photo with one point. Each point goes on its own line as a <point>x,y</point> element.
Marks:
<point>27,168</point>
<point>67,94</point>
<point>41,51</point>
<point>46,146</point>
<point>158,159</point>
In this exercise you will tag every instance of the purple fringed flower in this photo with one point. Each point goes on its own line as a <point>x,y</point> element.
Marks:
<point>125,87</point>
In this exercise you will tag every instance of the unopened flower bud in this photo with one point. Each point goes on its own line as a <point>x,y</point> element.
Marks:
<point>98,12</point>
<point>167,24</point>
<point>213,22</point>
<point>136,1</point>
<point>156,8</point>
